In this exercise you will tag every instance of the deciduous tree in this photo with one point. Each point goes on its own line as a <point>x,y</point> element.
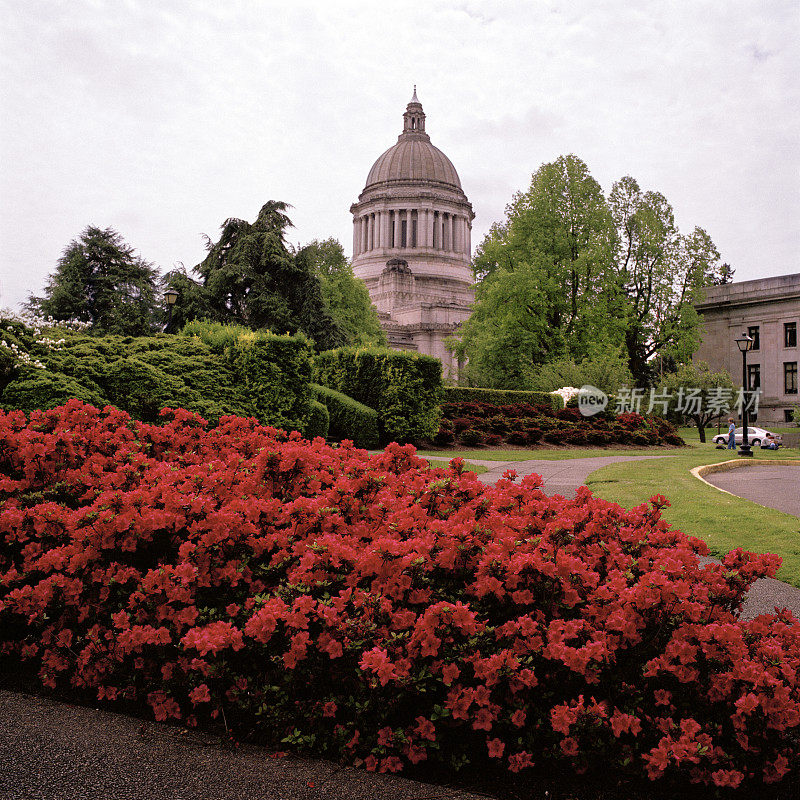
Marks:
<point>346,297</point>
<point>579,275</point>
<point>694,388</point>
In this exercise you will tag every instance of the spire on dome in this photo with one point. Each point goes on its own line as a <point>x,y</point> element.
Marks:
<point>414,118</point>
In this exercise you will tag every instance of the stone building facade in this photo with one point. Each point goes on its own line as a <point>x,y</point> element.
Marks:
<point>411,243</point>
<point>768,309</point>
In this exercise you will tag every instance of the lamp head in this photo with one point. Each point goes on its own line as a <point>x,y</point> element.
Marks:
<point>171,296</point>
<point>744,342</point>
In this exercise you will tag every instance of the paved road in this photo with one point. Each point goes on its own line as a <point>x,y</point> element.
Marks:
<point>57,751</point>
<point>772,485</point>
<point>560,477</point>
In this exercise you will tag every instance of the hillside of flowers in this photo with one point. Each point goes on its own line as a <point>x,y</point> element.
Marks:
<point>379,612</point>
<point>475,424</point>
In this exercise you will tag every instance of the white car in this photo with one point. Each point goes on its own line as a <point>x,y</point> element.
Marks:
<point>755,437</point>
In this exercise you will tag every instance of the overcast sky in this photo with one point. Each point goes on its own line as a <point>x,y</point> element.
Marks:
<point>162,118</point>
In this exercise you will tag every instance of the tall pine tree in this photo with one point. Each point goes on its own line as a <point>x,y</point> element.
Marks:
<point>100,280</point>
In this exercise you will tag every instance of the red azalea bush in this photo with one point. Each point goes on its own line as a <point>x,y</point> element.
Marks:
<point>525,424</point>
<point>378,611</point>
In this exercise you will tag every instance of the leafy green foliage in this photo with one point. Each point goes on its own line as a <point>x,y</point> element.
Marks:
<point>41,389</point>
<point>212,369</point>
<point>570,275</point>
<point>404,388</point>
<point>346,297</point>
<point>272,373</point>
<point>607,371</point>
<point>100,280</point>
<point>703,384</point>
<point>349,419</point>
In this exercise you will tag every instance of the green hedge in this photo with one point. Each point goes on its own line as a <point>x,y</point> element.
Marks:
<point>212,369</point>
<point>499,397</point>
<point>318,421</point>
<point>404,388</point>
<point>349,419</point>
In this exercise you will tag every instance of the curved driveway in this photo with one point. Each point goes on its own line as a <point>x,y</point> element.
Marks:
<point>772,485</point>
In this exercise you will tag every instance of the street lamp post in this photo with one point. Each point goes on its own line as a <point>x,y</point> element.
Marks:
<point>744,343</point>
<point>171,296</point>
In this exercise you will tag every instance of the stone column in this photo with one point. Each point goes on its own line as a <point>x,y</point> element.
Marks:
<point>355,238</point>
<point>384,229</point>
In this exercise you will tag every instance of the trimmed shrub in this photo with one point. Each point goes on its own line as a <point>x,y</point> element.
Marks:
<point>318,421</point>
<point>349,419</point>
<point>471,437</point>
<point>373,610</point>
<point>213,370</point>
<point>526,424</point>
<point>404,388</point>
<point>273,373</point>
<point>470,394</point>
<point>39,388</point>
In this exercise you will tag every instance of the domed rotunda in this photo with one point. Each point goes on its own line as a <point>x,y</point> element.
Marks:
<point>411,242</point>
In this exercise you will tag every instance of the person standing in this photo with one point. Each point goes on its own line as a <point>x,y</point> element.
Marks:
<point>731,434</point>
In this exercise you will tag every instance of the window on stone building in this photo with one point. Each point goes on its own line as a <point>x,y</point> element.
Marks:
<point>754,376</point>
<point>790,334</point>
<point>413,233</point>
<point>753,334</point>
<point>790,377</point>
<point>403,233</point>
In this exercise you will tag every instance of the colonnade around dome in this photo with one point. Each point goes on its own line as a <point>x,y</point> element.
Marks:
<point>402,228</point>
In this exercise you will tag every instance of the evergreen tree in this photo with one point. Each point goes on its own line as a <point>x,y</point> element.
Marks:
<point>100,280</point>
<point>251,278</point>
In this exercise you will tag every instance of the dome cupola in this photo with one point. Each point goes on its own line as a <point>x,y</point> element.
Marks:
<point>413,158</point>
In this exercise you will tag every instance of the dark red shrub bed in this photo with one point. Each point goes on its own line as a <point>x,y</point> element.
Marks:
<point>373,610</point>
<point>471,424</point>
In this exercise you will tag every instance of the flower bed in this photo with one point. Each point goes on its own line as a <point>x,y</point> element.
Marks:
<point>475,424</point>
<point>371,609</point>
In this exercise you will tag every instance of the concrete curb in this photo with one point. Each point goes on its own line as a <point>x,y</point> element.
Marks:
<point>726,466</point>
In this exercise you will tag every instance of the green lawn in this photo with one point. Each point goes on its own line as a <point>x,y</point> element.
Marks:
<point>546,454</point>
<point>723,521</point>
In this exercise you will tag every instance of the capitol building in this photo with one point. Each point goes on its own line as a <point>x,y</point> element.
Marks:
<point>411,243</point>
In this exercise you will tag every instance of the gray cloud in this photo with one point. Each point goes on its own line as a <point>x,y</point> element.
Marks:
<point>164,119</point>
